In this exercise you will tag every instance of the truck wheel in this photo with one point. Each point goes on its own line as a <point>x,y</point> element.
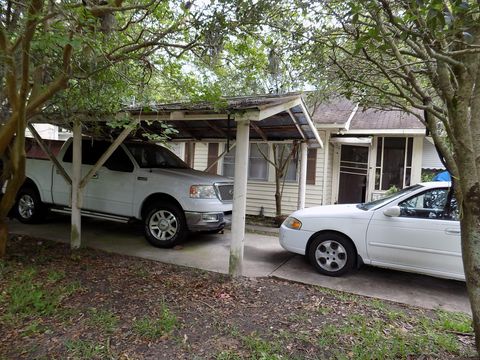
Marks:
<point>165,225</point>
<point>29,209</point>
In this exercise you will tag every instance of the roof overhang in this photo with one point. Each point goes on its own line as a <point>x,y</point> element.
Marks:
<point>271,117</point>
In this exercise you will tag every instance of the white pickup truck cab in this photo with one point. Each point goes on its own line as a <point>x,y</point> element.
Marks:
<point>141,181</point>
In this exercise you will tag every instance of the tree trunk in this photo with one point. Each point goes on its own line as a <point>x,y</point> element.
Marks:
<point>470,227</point>
<point>278,195</point>
<point>3,238</point>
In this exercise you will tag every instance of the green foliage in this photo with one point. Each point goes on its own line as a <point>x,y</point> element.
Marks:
<point>391,190</point>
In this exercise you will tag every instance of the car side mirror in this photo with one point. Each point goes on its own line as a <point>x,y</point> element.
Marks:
<point>393,211</point>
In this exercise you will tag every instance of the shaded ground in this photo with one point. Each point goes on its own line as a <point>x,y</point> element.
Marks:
<point>91,304</point>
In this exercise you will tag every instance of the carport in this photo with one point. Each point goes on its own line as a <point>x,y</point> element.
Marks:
<point>264,118</point>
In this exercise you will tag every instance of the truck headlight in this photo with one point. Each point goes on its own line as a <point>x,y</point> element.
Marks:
<point>203,192</point>
<point>292,223</point>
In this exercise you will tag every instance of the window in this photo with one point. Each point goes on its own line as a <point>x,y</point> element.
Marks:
<point>311,166</point>
<point>229,164</point>
<point>282,153</point>
<point>257,165</point>
<point>431,204</point>
<point>394,162</point>
<point>93,150</point>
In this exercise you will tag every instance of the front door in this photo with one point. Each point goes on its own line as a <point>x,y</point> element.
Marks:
<point>353,174</point>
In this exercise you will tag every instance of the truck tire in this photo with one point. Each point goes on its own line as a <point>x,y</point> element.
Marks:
<point>28,208</point>
<point>165,225</point>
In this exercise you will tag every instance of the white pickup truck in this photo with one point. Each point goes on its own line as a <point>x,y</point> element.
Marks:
<point>140,180</point>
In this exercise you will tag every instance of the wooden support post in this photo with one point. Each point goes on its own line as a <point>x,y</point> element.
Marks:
<point>302,182</point>
<point>239,198</point>
<point>76,228</point>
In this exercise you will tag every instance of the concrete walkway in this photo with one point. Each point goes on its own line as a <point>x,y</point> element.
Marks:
<point>263,257</point>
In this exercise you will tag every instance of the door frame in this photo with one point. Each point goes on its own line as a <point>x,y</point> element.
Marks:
<point>337,153</point>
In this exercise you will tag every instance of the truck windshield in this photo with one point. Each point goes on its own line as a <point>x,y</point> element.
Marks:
<point>387,199</point>
<point>154,156</point>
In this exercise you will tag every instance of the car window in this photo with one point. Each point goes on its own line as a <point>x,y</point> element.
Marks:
<point>430,204</point>
<point>154,156</point>
<point>119,161</point>
<point>93,150</point>
<point>387,199</point>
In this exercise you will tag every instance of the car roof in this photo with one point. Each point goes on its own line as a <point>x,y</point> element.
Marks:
<point>435,184</point>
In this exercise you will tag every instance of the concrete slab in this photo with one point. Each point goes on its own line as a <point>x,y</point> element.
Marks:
<point>263,257</point>
<point>412,289</point>
<point>262,254</point>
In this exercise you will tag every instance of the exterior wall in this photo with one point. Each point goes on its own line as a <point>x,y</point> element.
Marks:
<point>262,193</point>
<point>430,159</point>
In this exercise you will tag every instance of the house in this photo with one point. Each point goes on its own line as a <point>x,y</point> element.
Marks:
<point>366,152</point>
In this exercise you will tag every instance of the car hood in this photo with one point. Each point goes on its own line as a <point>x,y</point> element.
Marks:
<point>192,176</point>
<point>330,211</point>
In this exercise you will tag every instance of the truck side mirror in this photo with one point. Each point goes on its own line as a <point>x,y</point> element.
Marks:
<point>393,211</point>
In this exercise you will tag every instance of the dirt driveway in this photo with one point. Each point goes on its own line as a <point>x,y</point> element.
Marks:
<point>263,257</point>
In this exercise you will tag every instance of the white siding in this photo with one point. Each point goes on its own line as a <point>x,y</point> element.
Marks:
<point>430,159</point>
<point>201,156</point>
<point>262,193</point>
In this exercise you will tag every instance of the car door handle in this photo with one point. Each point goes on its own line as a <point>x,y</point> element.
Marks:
<point>452,231</point>
<point>95,176</point>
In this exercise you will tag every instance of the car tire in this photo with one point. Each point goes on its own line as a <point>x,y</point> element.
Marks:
<point>165,225</point>
<point>332,254</point>
<point>29,209</point>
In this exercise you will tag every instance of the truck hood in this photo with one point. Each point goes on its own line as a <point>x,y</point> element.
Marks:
<point>192,176</point>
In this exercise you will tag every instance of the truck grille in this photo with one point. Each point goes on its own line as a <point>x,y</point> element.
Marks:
<point>225,191</point>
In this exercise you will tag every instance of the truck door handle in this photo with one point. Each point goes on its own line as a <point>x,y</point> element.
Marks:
<point>452,231</point>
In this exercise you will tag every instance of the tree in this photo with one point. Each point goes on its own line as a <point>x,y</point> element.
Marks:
<point>51,52</point>
<point>282,156</point>
<point>422,57</point>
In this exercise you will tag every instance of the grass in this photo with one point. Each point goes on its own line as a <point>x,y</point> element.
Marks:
<point>104,320</point>
<point>152,328</point>
<point>28,297</point>
<point>87,349</point>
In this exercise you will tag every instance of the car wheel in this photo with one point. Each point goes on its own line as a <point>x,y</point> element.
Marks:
<point>332,254</point>
<point>29,208</point>
<point>165,225</point>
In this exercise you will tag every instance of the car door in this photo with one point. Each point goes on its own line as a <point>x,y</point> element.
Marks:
<point>425,237</point>
<point>111,188</point>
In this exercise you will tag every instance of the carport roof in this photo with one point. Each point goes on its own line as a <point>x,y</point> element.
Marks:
<point>272,118</point>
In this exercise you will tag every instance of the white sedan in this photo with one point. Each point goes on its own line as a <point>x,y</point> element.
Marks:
<point>416,229</point>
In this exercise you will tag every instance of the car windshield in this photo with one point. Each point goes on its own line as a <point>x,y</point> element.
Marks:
<point>387,199</point>
<point>154,156</point>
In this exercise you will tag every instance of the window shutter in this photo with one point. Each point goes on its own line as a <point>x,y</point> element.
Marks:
<point>212,157</point>
<point>311,166</point>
